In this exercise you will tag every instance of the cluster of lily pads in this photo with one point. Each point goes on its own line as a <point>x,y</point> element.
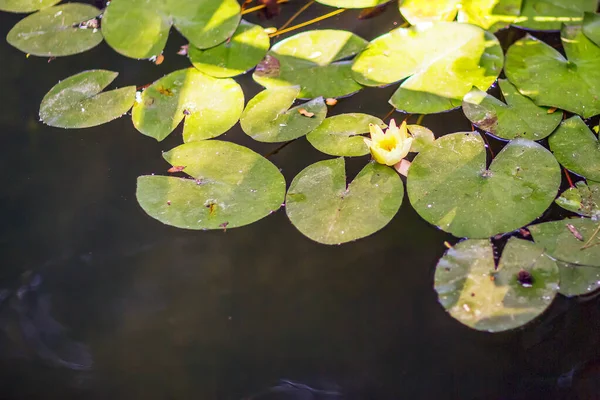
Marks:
<point>446,56</point>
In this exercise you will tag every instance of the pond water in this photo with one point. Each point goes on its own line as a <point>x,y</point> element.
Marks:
<point>98,300</point>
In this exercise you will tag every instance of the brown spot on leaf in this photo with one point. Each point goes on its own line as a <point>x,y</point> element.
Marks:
<point>575,232</point>
<point>489,123</point>
<point>165,91</point>
<point>525,278</point>
<point>176,168</point>
<point>212,208</point>
<point>224,226</point>
<point>268,68</point>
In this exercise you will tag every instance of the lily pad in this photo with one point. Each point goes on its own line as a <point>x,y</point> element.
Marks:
<point>232,186</point>
<point>562,244</point>
<point>77,102</point>
<point>269,118</point>
<point>419,11</point>
<point>248,45</point>
<point>422,137</point>
<point>483,298</point>
<point>520,117</point>
<point>541,73</point>
<point>449,186</point>
<point>140,28</point>
<point>439,63</point>
<point>576,280</point>
<point>591,27</point>
<point>53,32</point>
<point>352,3</point>
<point>577,148</point>
<point>313,61</point>
<point>210,106</point>
<point>25,6</point>
<point>326,210</point>
<point>541,15</point>
<point>340,135</point>
<point>582,199</point>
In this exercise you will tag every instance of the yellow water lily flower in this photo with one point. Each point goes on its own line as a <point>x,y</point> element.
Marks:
<point>391,147</point>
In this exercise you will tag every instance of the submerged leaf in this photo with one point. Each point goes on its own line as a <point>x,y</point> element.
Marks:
<point>450,187</point>
<point>77,102</point>
<point>210,106</point>
<point>54,31</point>
<point>483,298</point>
<point>232,186</point>
<point>582,199</point>
<point>327,211</point>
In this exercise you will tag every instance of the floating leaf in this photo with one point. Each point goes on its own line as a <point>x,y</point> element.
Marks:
<point>312,60</point>
<point>439,64</point>
<point>140,28</point>
<point>232,186</point>
<point>476,294</point>
<point>248,45</point>
<point>419,11</point>
<point>352,3</point>
<point>552,14</point>
<point>490,14</point>
<point>562,245</point>
<point>340,135</point>
<point>327,211</point>
<point>577,148</point>
<point>449,186</point>
<point>25,6</point>
<point>591,27</point>
<point>77,102</point>
<point>541,73</point>
<point>54,31</point>
<point>520,117</point>
<point>210,106</point>
<point>268,117</point>
<point>576,280</point>
<point>582,199</point>
<point>422,137</point>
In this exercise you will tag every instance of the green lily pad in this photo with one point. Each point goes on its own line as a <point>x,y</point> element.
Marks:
<point>340,135</point>
<point>326,210</point>
<point>541,73</point>
<point>420,11</point>
<point>246,48</point>
<point>232,186</point>
<point>576,280</point>
<point>551,14</point>
<point>352,3</point>
<point>449,186</point>
<point>483,298</point>
<point>591,27</point>
<point>520,117</point>
<point>140,28</point>
<point>422,137</point>
<point>439,63</point>
<point>582,199</point>
<point>210,106</point>
<point>563,245</point>
<point>269,118</point>
<point>25,6</point>
<point>53,32</point>
<point>577,148</point>
<point>313,61</point>
<point>77,102</point>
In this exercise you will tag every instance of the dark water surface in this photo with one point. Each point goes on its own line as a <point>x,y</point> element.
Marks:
<point>99,301</point>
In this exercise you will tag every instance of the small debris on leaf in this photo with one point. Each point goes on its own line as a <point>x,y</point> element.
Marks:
<point>224,226</point>
<point>176,168</point>
<point>524,232</point>
<point>308,114</point>
<point>575,232</point>
<point>448,245</point>
<point>168,202</point>
<point>269,67</point>
<point>331,101</point>
<point>525,278</point>
<point>186,112</point>
<point>270,30</point>
<point>551,110</point>
<point>373,11</point>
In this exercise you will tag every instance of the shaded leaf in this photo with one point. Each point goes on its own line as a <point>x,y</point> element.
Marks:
<point>551,14</point>
<point>327,211</point>
<point>450,187</point>
<point>591,27</point>
<point>232,186</point>
<point>77,102</point>
<point>210,106</point>
<point>53,32</point>
<point>483,298</point>
<point>582,199</point>
<point>340,135</point>
<point>577,280</point>
<point>519,117</point>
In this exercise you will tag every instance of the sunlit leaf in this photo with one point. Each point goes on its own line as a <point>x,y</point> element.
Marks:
<point>312,60</point>
<point>482,297</point>
<point>54,31</point>
<point>25,6</point>
<point>551,14</point>
<point>560,243</point>
<point>450,187</point>
<point>327,210</point>
<point>582,199</point>
<point>577,148</point>
<point>352,3</point>
<point>140,28</point>
<point>269,118</point>
<point>340,135</point>
<point>232,186</point>
<point>77,102</point>
<point>490,14</point>
<point>519,117</point>
<point>541,73</point>
<point>210,106</point>
<point>439,63</point>
<point>248,45</point>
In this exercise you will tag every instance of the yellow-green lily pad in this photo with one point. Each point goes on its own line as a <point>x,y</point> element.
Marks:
<point>583,199</point>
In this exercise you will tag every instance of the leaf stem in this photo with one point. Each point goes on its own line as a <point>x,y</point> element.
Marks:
<point>293,17</point>
<point>252,9</point>
<point>312,21</point>
<point>568,178</point>
<point>588,243</point>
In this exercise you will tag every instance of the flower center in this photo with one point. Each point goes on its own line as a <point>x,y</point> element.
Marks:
<point>388,143</point>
